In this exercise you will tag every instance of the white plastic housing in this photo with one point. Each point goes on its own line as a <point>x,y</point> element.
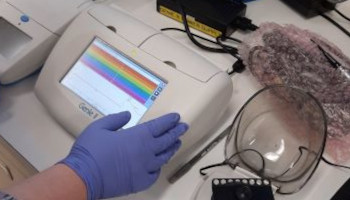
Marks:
<point>196,89</point>
<point>46,22</point>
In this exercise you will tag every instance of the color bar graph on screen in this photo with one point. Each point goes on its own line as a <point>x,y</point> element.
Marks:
<point>112,82</point>
<point>118,73</point>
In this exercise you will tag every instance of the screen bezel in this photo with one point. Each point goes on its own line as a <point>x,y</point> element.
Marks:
<point>122,54</point>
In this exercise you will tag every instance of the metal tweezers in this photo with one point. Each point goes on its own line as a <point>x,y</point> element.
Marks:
<point>335,64</point>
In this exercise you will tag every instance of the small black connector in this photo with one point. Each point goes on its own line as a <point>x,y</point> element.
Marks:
<point>244,24</point>
<point>237,67</point>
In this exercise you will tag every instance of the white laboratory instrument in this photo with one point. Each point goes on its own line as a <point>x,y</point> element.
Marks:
<point>107,62</point>
<point>28,31</point>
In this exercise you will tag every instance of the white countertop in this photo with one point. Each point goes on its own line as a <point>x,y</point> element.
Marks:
<point>26,125</point>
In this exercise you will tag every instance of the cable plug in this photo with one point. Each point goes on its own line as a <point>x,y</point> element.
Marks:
<point>237,67</point>
<point>244,24</point>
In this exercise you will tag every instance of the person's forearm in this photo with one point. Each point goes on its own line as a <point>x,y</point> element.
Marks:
<point>108,161</point>
<point>57,182</point>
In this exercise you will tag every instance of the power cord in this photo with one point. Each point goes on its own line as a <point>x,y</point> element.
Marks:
<point>238,66</point>
<point>224,47</point>
<point>244,24</point>
<point>341,14</point>
<point>333,164</point>
<point>205,39</point>
<point>263,164</point>
<point>232,165</point>
<point>190,36</point>
<point>230,38</point>
<point>335,23</point>
<point>301,148</point>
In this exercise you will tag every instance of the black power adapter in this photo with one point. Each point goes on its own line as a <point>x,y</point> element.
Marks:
<point>212,17</point>
<point>310,8</point>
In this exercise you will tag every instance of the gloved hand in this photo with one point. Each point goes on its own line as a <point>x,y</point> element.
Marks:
<point>114,163</point>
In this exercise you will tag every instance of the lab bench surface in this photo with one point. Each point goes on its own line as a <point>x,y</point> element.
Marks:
<point>29,128</point>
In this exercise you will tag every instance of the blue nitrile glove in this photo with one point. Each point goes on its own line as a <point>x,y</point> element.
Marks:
<point>114,163</point>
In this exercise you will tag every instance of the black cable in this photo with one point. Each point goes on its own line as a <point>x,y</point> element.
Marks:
<point>333,164</point>
<point>195,35</point>
<point>201,170</point>
<point>261,171</point>
<point>230,51</point>
<point>238,66</point>
<point>223,38</point>
<point>203,38</point>
<point>233,166</point>
<point>341,14</point>
<point>335,24</point>
<point>244,24</point>
<point>190,36</point>
<point>241,22</point>
<point>323,159</point>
